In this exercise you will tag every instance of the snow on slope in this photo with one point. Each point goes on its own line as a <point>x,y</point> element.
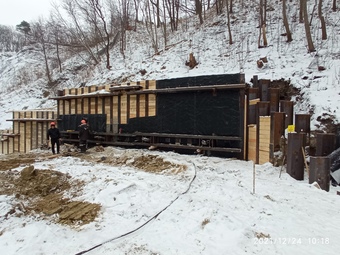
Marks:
<point>22,81</point>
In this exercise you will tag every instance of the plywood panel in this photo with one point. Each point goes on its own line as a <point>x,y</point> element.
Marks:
<point>79,106</point>
<point>73,106</point>
<point>252,143</point>
<point>115,113</point>
<point>152,84</point>
<point>100,106</point>
<point>133,106</point>
<point>152,105</point>
<point>142,106</point>
<point>28,134</point>
<point>107,109</point>
<point>86,105</point>
<point>93,105</point>
<point>264,140</point>
<point>67,106</point>
<point>11,145</point>
<point>22,140</point>
<point>34,135</point>
<point>123,109</point>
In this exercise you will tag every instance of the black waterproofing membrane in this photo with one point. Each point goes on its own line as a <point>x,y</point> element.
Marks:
<point>205,112</point>
<point>97,122</point>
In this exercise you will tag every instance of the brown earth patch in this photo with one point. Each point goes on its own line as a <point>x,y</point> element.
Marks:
<point>41,192</point>
<point>15,160</point>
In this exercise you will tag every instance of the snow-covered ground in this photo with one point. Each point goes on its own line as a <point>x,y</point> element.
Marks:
<point>207,207</point>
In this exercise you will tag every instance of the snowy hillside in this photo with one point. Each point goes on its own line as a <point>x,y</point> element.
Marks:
<point>23,84</point>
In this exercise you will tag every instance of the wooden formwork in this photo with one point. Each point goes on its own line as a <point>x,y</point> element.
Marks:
<point>116,101</point>
<point>29,131</point>
<point>264,139</point>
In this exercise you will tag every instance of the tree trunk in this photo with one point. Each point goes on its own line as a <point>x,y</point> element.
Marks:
<point>198,7</point>
<point>334,6</point>
<point>285,21</point>
<point>301,11</point>
<point>228,24</point>
<point>307,27</point>
<point>322,20</point>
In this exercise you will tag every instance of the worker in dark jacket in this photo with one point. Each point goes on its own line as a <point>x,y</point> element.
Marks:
<point>84,133</point>
<point>54,134</point>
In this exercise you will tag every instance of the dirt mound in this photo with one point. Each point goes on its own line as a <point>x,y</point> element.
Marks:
<point>15,160</point>
<point>145,162</point>
<point>41,192</point>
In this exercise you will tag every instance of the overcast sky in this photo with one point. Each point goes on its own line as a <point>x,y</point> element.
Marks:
<point>12,12</point>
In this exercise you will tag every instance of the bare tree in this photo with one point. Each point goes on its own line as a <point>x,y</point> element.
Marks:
<point>301,11</point>
<point>198,7</point>
<point>322,20</point>
<point>39,35</point>
<point>156,6</point>
<point>285,21</point>
<point>262,23</point>
<point>307,27</point>
<point>172,7</point>
<point>228,22</point>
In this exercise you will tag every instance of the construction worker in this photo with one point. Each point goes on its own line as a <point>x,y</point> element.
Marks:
<point>54,134</point>
<point>84,132</point>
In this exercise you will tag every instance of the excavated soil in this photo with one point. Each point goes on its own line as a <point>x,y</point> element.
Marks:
<point>40,192</point>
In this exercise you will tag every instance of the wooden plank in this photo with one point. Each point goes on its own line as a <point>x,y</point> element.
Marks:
<point>22,137</point>
<point>152,84</point>
<point>123,109</point>
<point>108,110</point>
<point>73,106</point>
<point>28,137</point>
<point>152,105</point>
<point>92,106</point>
<point>86,105</point>
<point>142,106</point>
<point>133,106</point>
<point>254,101</point>
<point>115,110</point>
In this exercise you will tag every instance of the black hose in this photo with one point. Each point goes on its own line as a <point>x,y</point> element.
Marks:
<point>149,220</point>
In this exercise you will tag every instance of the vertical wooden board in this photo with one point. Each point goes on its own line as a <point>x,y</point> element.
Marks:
<point>263,157</point>
<point>107,109</point>
<point>66,92</point>
<point>73,106</point>
<point>73,91</point>
<point>115,108</point>
<point>264,140</point>
<point>67,106</point>
<point>16,115</point>
<point>143,84</point>
<point>1,147</point>
<point>28,135</point>
<point>22,139</point>
<point>152,84</point>
<point>152,105</point>
<point>21,115</point>
<point>142,105</point>
<point>86,105</point>
<point>123,109</point>
<point>100,106</point>
<point>34,135</point>
<point>107,87</point>
<point>133,106</point>
<point>60,107</point>
<point>11,145</point>
<point>92,105</point>
<point>40,136</point>
<point>93,88</point>
<point>34,114</point>
<point>78,103</point>
<point>5,146</point>
<point>252,143</point>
